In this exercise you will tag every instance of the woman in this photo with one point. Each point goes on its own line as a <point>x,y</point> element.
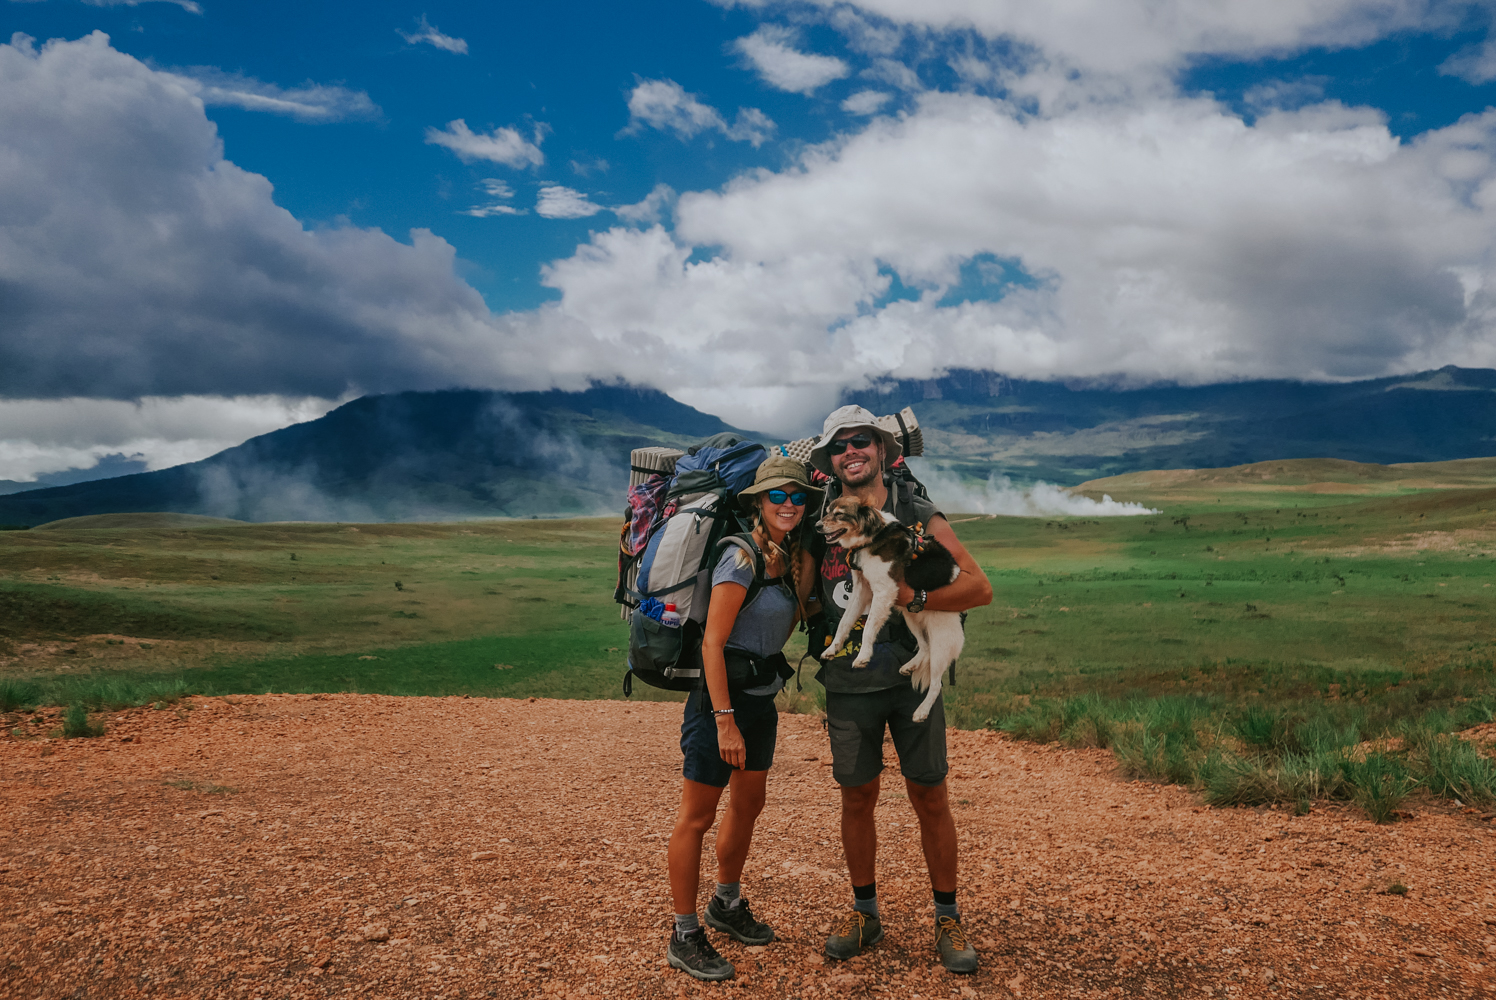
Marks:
<point>728,733</point>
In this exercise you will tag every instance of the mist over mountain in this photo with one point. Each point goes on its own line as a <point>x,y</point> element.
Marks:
<point>469,453</point>
<point>407,456</point>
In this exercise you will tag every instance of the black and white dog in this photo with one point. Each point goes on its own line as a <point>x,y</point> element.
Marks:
<point>882,553</point>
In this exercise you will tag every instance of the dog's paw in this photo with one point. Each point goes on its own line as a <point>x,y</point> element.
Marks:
<point>907,668</point>
<point>830,654</point>
<point>921,715</point>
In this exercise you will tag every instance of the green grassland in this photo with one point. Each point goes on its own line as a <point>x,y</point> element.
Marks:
<point>1266,615</point>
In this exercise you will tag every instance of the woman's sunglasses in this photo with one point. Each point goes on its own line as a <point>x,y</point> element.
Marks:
<point>780,496</point>
<point>858,441</point>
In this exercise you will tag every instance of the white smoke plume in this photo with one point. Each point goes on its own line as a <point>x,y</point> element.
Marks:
<point>998,495</point>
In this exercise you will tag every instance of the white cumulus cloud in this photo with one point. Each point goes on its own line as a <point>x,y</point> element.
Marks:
<point>771,49</point>
<point>866,102</point>
<point>557,202</point>
<point>501,193</point>
<point>1310,244</point>
<point>502,145</point>
<point>426,34</point>
<point>667,106</point>
<point>1125,36</point>
<point>652,209</point>
<point>1476,64</point>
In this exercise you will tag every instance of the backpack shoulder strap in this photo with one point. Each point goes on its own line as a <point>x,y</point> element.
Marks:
<point>745,542</point>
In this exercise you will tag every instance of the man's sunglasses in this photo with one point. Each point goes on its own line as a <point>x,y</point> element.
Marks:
<point>780,496</point>
<point>858,441</point>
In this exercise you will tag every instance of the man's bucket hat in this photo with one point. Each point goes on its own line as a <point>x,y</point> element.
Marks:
<point>845,418</point>
<point>778,472</point>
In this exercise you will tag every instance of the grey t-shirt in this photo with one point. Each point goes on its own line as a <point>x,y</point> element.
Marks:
<point>763,627</point>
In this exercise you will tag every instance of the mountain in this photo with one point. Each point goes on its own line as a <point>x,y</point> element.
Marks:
<point>469,453</point>
<point>407,456</point>
<point>977,422</point>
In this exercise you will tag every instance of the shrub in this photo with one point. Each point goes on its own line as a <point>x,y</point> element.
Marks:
<point>75,724</point>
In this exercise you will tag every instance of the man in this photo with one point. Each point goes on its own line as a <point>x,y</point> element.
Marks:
<point>861,703</point>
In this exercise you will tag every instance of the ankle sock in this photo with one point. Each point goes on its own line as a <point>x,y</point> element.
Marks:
<point>945,905</point>
<point>729,894</point>
<point>865,898</point>
<point>686,923</point>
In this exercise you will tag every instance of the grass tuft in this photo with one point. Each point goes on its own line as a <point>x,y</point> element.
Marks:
<point>1448,765</point>
<point>18,695</point>
<point>75,724</point>
<point>1378,783</point>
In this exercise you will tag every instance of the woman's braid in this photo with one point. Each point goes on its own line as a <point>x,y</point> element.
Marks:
<point>793,555</point>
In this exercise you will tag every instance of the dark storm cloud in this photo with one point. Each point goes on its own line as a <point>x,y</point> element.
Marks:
<point>136,260</point>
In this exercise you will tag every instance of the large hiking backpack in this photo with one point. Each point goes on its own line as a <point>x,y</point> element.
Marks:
<point>675,565</point>
<point>670,658</point>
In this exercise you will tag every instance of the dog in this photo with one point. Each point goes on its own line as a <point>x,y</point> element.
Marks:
<point>883,552</point>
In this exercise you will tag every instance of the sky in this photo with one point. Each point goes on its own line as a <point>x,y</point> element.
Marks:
<point>219,218</point>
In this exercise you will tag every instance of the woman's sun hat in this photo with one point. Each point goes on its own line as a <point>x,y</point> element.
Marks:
<point>778,472</point>
<point>845,418</point>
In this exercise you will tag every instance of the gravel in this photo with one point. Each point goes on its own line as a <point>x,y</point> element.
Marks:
<point>330,845</point>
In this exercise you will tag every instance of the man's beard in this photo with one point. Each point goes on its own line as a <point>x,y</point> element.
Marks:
<point>870,474</point>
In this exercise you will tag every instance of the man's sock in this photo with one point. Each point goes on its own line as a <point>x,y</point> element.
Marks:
<point>686,923</point>
<point>729,894</point>
<point>945,905</point>
<point>865,898</point>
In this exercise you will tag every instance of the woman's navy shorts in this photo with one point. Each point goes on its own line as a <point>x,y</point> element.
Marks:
<point>758,721</point>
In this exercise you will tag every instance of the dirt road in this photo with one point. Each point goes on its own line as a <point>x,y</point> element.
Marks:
<point>331,845</point>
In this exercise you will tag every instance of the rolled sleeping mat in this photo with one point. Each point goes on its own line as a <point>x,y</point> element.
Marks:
<point>902,425</point>
<point>905,427</point>
<point>653,461</point>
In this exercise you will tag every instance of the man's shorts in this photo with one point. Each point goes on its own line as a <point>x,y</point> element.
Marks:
<point>758,721</point>
<point>856,723</point>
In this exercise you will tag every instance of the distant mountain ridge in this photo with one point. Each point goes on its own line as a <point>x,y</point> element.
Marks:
<point>473,453</point>
<point>407,456</point>
<point>980,421</point>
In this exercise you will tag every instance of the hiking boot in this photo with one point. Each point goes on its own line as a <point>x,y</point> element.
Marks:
<point>738,921</point>
<point>956,953</point>
<point>857,931</point>
<point>695,956</point>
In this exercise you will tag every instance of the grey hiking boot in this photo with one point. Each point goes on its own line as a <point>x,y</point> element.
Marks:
<point>956,953</point>
<point>857,931</point>
<point>738,921</point>
<point>695,956</point>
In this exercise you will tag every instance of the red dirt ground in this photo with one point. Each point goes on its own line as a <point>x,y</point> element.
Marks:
<point>331,845</point>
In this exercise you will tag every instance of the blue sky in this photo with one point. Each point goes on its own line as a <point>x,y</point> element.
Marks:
<point>1123,191</point>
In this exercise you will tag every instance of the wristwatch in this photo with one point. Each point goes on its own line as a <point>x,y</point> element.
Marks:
<point>918,604</point>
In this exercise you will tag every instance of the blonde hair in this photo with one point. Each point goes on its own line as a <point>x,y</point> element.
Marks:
<point>788,554</point>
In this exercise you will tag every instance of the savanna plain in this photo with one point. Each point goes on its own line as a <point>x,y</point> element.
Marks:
<point>1239,747</point>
